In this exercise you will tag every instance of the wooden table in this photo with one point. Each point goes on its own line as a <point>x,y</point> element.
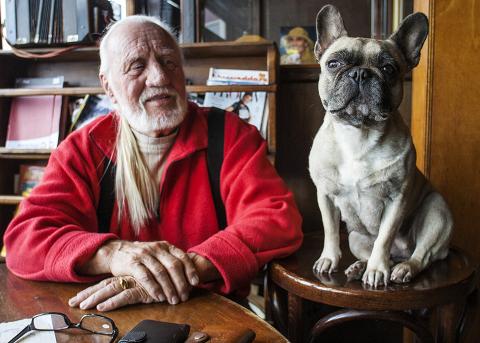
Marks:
<point>439,294</point>
<point>219,317</point>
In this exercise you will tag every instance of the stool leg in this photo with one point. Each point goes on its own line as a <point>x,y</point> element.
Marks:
<point>344,316</point>
<point>295,318</point>
<point>449,316</point>
<point>277,307</point>
<point>468,315</point>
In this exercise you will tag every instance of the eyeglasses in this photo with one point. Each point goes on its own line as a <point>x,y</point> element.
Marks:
<point>55,321</point>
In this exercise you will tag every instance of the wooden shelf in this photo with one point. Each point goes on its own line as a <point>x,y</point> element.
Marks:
<point>10,199</point>
<point>14,92</point>
<point>271,158</point>
<point>25,154</point>
<point>81,54</point>
<point>231,88</point>
<point>198,50</point>
<point>225,49</point>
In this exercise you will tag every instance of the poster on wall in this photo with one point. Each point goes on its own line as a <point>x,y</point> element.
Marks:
<point>296,44</point>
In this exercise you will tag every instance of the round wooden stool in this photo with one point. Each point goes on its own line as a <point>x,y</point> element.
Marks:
<point>433,305</point>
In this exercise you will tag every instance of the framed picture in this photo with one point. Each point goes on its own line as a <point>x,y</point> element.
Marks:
<point>296,44</point>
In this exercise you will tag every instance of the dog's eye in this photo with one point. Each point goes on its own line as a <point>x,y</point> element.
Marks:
<point>333,64</point>
<point>388,69</point>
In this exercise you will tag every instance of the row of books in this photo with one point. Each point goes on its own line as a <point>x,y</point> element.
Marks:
<point>41,122</point>
<point>41,23</point>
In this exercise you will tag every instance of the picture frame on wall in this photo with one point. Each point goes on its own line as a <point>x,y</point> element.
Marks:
<point>296,44</point>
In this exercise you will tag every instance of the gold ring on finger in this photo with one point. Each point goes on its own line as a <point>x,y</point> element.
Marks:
<point>123,283</point>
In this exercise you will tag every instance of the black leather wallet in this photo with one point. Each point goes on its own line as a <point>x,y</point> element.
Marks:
<point>149,331</point>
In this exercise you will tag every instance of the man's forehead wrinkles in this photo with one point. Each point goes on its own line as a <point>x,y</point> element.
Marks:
<point>159,45</point>
<point>141,49</point>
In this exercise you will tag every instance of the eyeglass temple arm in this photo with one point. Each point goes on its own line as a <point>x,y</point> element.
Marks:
<point>21,333</point>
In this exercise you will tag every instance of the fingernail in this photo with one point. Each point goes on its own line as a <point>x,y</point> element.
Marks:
<point>100,307</point>
<point>174,300</point>
<point>72,301</point>
<point>184,297</point>
<point>194,280</point>
<point>83,305</point>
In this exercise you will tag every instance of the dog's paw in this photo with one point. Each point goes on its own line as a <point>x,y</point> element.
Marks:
<point>377,274</point>
<point>326,265</point>
<point>404,272</point>
<point>355,270</point>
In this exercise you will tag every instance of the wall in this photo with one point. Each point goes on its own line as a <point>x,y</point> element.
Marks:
<point>445,115</point>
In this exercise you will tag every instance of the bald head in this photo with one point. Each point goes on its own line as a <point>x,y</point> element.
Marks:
<point>136,25</point>
<point>141,70</point>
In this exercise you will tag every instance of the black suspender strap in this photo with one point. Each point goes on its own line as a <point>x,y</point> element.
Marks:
<point>107,197</point>
<point>216,133</point>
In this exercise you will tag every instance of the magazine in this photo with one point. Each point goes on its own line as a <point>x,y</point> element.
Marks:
<point>250,106</point>
<point>89,108</point>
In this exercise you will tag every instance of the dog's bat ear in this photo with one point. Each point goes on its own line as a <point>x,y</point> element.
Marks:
<point>410,36</point>
<point>329,28</point>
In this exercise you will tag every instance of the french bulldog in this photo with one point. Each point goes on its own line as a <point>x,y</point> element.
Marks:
<point>363,160</point>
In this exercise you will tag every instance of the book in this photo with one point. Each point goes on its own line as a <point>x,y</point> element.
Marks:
<point>250,106</point>
<point>30,176</point>
<point>86,110</point>
<point>35,121</point>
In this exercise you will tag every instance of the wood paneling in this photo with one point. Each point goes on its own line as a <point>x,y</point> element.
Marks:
<point>445,112</point>
<point>445,125</point>
<point>299,115</point>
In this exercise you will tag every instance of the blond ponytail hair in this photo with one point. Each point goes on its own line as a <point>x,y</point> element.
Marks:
<point>136,190</point>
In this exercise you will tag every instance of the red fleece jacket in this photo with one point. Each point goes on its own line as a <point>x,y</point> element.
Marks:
<point>56,228</point>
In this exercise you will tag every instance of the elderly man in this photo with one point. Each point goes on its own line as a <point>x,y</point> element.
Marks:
<point>163,237</point>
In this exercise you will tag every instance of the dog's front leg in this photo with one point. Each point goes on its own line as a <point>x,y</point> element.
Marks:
<point>377,272</point>
<point>331,254</point>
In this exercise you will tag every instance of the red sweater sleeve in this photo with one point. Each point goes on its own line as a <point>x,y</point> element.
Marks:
<point>263,220</point>
<point>56,227</point>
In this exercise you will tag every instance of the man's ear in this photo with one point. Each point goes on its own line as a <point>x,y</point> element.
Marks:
<point>410,36</point>
<point>106,87</point>
<point>329,28</point>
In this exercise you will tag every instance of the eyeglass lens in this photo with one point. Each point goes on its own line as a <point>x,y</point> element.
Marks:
<point>97,324</point>
<point>92,323</point>
<point>50,321</point>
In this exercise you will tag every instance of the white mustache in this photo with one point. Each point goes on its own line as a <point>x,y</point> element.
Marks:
<point>149,93</point>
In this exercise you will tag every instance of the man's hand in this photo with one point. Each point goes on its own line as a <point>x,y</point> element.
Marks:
<point>207,272</point>
<point>109,295</point>
<point>164,271</point>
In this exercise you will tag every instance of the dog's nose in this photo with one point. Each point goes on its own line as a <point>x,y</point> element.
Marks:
<point>359,74</point>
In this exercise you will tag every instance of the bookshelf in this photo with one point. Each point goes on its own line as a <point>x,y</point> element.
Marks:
<point>12,92</point>
<point>80,71</point>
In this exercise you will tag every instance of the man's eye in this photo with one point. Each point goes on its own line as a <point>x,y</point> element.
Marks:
<point>388,69</point>
<point>169,64</point>
<point>137,66</point>
<point>333,64</point>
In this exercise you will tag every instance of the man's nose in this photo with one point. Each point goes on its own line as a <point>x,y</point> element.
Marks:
<point>157,75</point>
<point>359,74</point>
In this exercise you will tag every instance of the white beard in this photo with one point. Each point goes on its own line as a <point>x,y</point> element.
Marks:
<point>141,121</point>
